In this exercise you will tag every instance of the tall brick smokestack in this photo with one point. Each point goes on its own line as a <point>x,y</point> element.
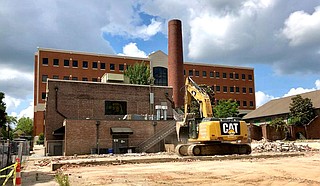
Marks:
<point>175,61</point>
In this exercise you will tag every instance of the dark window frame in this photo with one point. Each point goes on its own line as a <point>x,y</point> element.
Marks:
<point>121,67</point>
<point>102,66</point>
<point>95,65</point>
<point>116,107</point>
<point>204,73</point>
<point>44,78</point>
<point>45,61</point>
<point>66,63</point>
<point>75,63</point>
<point>112,67</point>
<point>85,64</point>
<point>55,62</point>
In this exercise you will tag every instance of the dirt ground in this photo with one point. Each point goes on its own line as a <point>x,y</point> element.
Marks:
<point>299,170</point>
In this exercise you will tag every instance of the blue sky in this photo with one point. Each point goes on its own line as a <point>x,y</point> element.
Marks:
<point>279,39</point>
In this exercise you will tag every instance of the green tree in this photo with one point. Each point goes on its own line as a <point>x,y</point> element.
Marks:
<point>301,111</point>
<point>279,124</point>
<point>24,126</point>
<point>3,114</point>
<point>7,131</point>
<point>226,108</point>
<point>139,73</point>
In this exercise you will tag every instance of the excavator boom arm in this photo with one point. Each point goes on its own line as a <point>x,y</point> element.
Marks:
<point>198,93</point>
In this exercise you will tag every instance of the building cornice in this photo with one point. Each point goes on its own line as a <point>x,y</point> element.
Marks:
<point>90,54</point>
<point>215,65</point>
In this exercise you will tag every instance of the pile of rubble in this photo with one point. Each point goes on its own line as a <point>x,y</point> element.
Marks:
<point>280,146</point>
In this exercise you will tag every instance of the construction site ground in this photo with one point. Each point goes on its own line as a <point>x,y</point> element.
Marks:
<point>262,167</point>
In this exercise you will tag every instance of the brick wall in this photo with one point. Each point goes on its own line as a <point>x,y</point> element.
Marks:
<point>86,100</point>
<point>255,132</point>
<point>81,135</point>
<point>271,133</point>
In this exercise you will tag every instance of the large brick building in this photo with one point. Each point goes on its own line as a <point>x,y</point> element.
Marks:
<point>228,82</point>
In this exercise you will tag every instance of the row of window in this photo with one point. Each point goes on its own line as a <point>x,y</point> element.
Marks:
<point>113,108</point>
<point>216,88</point>
<point>244,103</point>
<point>217,74</point>
<point>85,64</point>
<point>232,89</point>
<point>45,77</point>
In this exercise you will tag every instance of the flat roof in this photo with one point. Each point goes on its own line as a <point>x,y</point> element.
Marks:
<point>91,54</point>
<point>216,65</point>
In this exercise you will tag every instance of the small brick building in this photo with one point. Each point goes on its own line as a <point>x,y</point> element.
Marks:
<point>81,117</point>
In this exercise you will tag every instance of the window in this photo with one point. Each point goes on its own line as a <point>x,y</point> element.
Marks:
<point>75,78</point>
<point>244,103</point>
<point>121,67</point>
<point>45,61</point>
<point>225,89</point>
<point>244,90</point>
<point>112,67</point>
<point>95,64</point>
<point>251,103</point>
<point>65,77</point>
<point>66,62</point>
<point>190,72</point>
<point>217,74</point>
<point>238,102</point>
<point>102,66</point>
<point>224,75</point>
<point>95,79</point>
<point>184,72</point>
<point>243,77</point>
<point>250,77</point>
<point>236,76</point>
<point>250,90</point>
<point>43,95</point>
<point>197,73</point>
<point>211,74</point>
<point>55,77</point>
<point>84,79</point>
<point>231,75</point>
<point>237,89</point>
<point>75,63</point>
<point>84,64</point>
<point>160,75</point>
<point>115,107</point>
<point>44,78</point>
<point>204,73</point>
<point>55,62</point>
<point>232,89</point>
<point>218,88</point>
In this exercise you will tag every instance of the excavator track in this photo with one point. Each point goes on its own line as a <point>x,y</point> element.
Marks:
<point>211,149</point>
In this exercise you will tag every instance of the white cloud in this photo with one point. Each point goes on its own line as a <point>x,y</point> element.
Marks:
<point>131,49</point>
<point>123,19</point>
<point>317,84</point>
<point>303,28</point>
<point>11,103</point>
<point>9,74</point>
<point>296,91</point>
<point>27,112</point>
<point>262,98</point>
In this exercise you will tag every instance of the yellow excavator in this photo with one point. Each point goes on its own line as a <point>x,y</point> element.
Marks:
<point>209,136</point>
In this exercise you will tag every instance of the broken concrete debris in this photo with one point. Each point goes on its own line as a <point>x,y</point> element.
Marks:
<point>280,146</point>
